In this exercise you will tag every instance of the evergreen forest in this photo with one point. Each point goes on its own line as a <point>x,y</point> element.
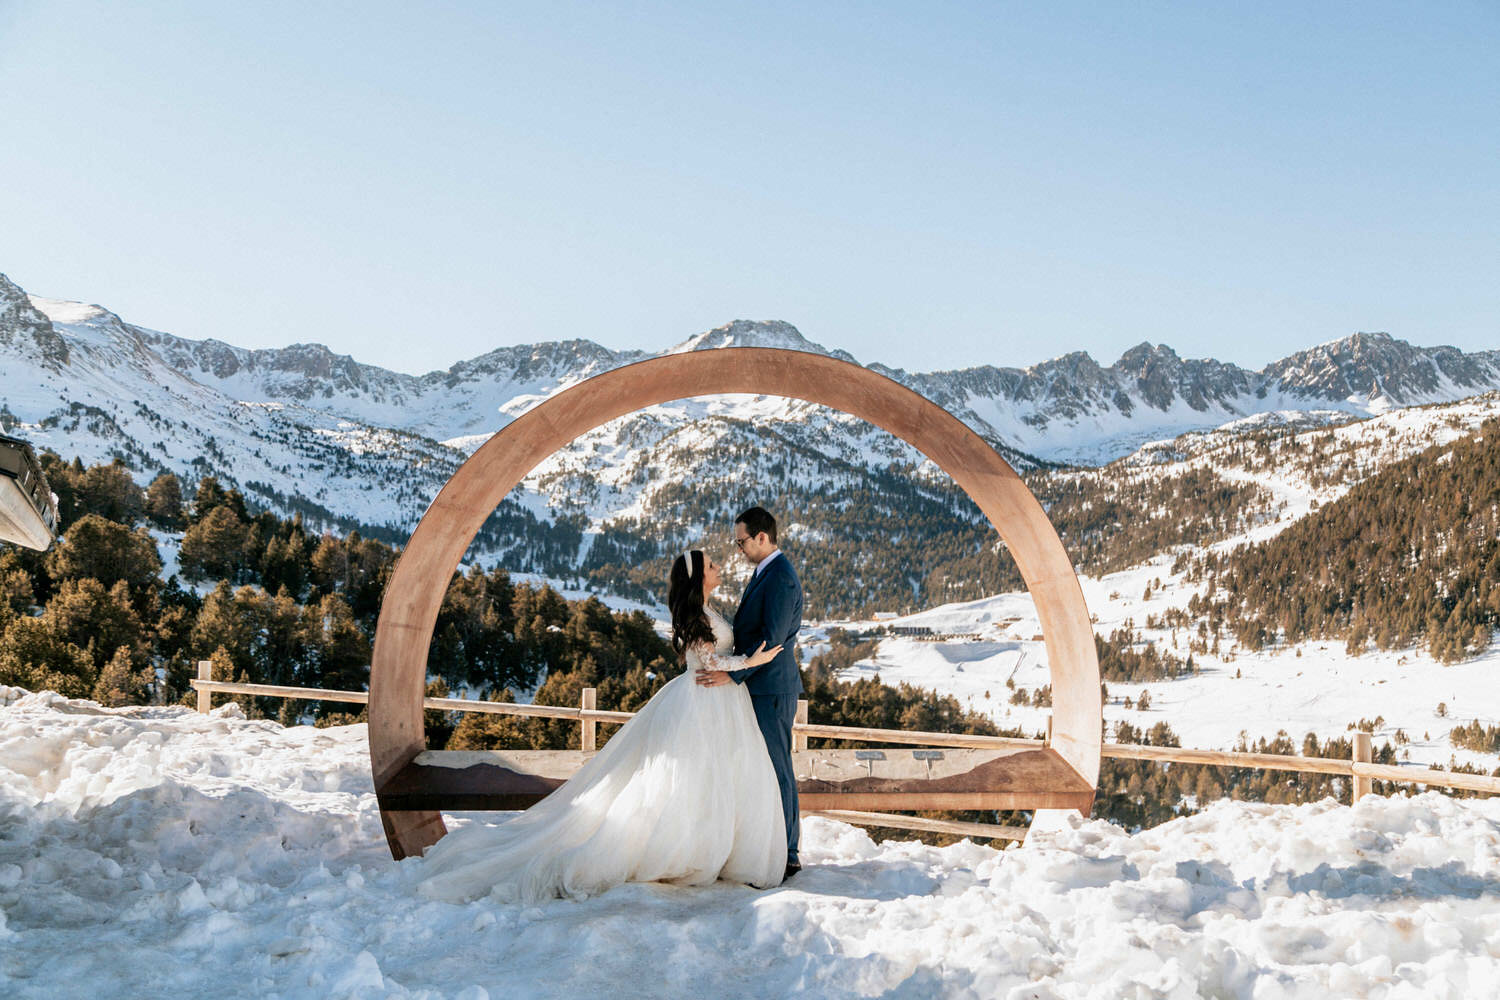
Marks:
<point>1409,555</point>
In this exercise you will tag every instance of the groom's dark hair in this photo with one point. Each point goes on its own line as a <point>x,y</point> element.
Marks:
<point>756,520</point>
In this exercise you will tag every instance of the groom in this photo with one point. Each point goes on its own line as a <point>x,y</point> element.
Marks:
<point>770,612</point>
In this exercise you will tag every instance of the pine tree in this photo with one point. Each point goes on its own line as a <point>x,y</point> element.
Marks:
<point>339,649</point>
<point>210,496</point>
<point>223,627</point>
<point>330,566</point>
<point>16,592</point>
<point>35,657</point>
<point>213,547</point>
<point>110,492</point>
<point>164,502</point>
<point>103,622</point>
<point>61,476</point>
<point>108,552</point>
<point>123,681</point>
<point>286,563</point>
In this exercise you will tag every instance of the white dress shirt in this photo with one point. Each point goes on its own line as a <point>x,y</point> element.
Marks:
<point>764,562</point>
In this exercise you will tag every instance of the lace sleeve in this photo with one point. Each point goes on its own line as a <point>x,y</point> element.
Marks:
<point>708,659</point>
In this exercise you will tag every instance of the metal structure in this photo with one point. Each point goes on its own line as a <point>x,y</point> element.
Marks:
<point>413,784</point>
<point>28,511</point>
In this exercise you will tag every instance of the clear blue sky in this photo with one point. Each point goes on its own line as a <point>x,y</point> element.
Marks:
<point>927,185</point>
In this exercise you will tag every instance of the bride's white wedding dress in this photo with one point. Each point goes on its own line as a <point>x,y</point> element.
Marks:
<point>683,793</point>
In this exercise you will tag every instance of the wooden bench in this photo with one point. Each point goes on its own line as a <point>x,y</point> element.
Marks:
<point>883,779</point>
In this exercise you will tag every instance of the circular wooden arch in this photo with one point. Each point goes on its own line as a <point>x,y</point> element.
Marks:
<point>415,592</point>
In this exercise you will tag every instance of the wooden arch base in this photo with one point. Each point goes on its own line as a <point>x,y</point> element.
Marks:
<point>1064,775</point>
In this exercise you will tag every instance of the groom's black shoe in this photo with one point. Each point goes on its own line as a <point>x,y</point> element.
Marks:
<point>792,868</point>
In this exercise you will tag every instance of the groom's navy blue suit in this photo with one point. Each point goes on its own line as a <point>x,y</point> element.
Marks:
<point>770,612</point>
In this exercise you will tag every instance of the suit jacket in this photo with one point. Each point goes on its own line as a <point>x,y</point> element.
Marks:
<point>771,612</point>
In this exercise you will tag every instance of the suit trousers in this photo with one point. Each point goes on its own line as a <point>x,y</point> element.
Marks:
<point>775,714</point>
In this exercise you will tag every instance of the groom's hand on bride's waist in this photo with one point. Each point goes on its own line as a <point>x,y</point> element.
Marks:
<point>714,678</point>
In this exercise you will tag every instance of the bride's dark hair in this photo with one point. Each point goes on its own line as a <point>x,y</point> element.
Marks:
<point>685,600</point>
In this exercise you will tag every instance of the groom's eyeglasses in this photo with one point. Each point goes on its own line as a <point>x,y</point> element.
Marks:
<point>739,543</point>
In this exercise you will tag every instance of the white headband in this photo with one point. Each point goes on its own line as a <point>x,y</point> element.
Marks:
<point>687,557</point>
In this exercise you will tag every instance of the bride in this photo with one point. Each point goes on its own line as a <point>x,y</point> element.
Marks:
<point>683,793</point>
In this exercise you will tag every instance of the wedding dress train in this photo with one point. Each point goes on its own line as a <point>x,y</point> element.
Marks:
<point>684,793</point>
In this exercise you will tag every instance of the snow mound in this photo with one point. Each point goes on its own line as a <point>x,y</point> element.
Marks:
<point>153,851</point>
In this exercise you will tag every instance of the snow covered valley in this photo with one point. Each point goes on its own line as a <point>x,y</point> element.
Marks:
<point>153,851</point>
<point>982,651</point>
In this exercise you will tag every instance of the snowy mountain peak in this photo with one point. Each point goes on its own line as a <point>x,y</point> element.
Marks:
<point>1381,369</point>
<point>755,333</point>
<point>28,331</point>
<point>1159,377</point>
<point>550,359</point>
<point>65,311</point>
<point>304,428</point>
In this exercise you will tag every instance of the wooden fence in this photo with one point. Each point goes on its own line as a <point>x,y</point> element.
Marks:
<point>1360,768</point>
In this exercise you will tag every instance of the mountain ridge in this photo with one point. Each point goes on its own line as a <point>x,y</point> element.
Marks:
<point>1361,373</point>
<point>303,429</point>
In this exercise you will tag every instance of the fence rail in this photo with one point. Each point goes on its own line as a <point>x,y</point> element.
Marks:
<point>1361,768</point>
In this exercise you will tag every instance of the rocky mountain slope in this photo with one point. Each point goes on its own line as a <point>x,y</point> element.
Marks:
<point>352,445</point>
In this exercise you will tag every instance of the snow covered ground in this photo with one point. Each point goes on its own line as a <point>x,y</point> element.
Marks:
<point>1312,687</point>
<point>155,852</point>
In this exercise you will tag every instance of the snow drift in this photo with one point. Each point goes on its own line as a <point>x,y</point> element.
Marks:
<point>153,851</point>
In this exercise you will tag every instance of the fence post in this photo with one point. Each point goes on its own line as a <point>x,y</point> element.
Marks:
<point>799,740</point>
<point>1362,755</point>
<point>1049,729</point>
<point>205,673</point>
<point>589,741</point>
